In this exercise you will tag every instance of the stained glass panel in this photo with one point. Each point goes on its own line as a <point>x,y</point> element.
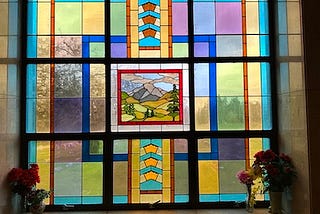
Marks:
<point>66,29</point>
<point>230,28</point>
<point>69,169</point>
<point>80,77</point>
<point>150,170</point>
<point>149,97</point>
<point>219,158</point>
<point>65,98</point>
<point>232,96</point>
<point>149,28</point>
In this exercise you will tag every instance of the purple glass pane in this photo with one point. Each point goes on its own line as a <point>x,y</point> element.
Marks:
<point>201,49</point>
<point>119,50</point>
<point>228,18</point>
<point>67,115</point>
<point>68,151</point>
<point>179,19</point>
<point>231,149</point>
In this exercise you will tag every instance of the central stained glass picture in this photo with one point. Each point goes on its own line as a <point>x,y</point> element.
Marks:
<point>150,96</point>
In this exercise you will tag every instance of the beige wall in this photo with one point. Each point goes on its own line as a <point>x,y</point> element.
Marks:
<point>9,102</point>
<point>298,93</point>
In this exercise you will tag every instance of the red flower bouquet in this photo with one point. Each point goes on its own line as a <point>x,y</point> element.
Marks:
<point>23,181</point>
<point>277,171</point>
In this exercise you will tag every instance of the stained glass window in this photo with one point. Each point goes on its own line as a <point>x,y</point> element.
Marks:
<point>134,102</point>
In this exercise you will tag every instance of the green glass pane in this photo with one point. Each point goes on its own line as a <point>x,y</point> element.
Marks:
<point>67,179</point>
<point>96,147</point>
<point>97,49</point>
<point>181,177</point>
<point>118,18</point>
<point>230,79</point>
<point>68,18</point>
<point>228,183</point>
<point>230,113</point>
<point>92,179</point>
<point>180,50</point>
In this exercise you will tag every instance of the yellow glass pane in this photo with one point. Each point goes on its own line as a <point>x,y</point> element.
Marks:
<point>44,13</point>
<point>43,151</point>
<point>164,18</point>
<point>149,53</point>
<point>202,114</point>
<point>134,17</point>
<point>255,114</point>
<point>165,145</point>
<point>252,18</point>
<point>4,19</point>
<point>43,115</point>
<point>44,173</point>
<point>150,198</point>
<point>120,177</point>
<point>135,179</point>
<point>166,193</point>
<point>135,162</point>
<point>134,50</point>
<point>135,146</point>
<point>134,34</point>
<point>166,179</point>
<point>3,80</point>
<point>204,145</point>
<point>93,18</point>
<point>3,46</point>
<point>254,79</point>
<point>134,4</point>
<point>165,32</point>
<point>97,80</point>
<point>43,46</point>
<point>166,161</point>
<point>164,49</point>
<point>208,177</point>
<point>164,4</point>
<point>135,195</point>
<point>255,145</point>
<point>253,45</point>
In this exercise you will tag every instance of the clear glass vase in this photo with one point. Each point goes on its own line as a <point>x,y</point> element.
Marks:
<point>249,204</point>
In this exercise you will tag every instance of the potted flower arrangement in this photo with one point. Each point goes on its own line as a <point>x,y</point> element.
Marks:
<point>23,182</point>
<point>277,172</point>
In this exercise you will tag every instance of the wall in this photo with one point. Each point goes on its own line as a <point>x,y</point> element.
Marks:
<point>311,16</point>
<point>9,100</point>
<point>291,95</point>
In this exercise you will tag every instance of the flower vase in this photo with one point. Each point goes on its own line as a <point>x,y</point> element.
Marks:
<point>249,204</point>
<point>37,208</point>
<point>276,202</point>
